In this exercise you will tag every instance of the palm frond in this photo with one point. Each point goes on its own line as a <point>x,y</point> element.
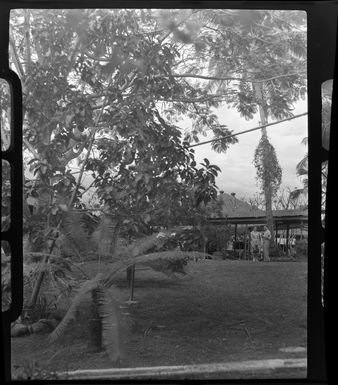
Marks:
<point>302,167</point>
<point>295,194</point>
<point>75,230</point>
<point>169,266</point>
<point>151,260</point>
<point>70,316</point>
<point>144,244</point>
<point>170,254</point>
<point>109,314</point>
<point>306,184</point>
<point>105,234</point>
<point>297,45</point>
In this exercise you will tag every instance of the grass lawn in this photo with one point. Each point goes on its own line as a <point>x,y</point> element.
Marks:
<point>222,311</point>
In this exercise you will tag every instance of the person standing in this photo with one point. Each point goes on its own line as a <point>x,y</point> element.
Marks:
<point>266,236</point>
<point>255,243</point>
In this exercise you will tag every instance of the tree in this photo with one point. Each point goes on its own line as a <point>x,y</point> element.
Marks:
<point>302,167</point>
<point>326,125</point>
<point>257,63</point>
<point>269,175</point>
<point>100,98</point>
<point>99,94</point>
<point>256,201</point>
<point>290,199</point>
<point>108,332</point>
<point>4,115</point>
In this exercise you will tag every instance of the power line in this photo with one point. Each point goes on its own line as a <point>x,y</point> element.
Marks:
<point>251,129</point>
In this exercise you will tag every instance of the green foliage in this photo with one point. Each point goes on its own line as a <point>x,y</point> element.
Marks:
<point>301,248</point>
<point>58,280</point>
<point>75,234</point>
<point>269,172</point>
<point>5,195</point>
<point>247,102</point>
<point>31,370</point>
<point>115,86</point>
<point>86,288</point>
<point>326,112</point>
<point>169,267</point>
<point>105,88</point>
<point>105,234</point>
<point>6,290</point>
<point>168,262</point>
<point>217,236</point>
<point>265,47</point>
<point>43,308</point>
<point>111,105</point>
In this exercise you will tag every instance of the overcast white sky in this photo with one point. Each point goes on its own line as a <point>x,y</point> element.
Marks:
<point>238,172</point>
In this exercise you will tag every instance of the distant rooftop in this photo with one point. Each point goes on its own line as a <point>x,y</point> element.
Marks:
<point>233,210</point>
<point>229,205</point>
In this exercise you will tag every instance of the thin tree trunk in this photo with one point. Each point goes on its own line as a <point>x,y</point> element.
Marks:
<point>268,213</point>
<point>95,325</point>
<point>267,187</point>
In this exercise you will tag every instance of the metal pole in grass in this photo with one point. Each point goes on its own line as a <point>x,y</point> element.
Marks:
<point>131,283</point>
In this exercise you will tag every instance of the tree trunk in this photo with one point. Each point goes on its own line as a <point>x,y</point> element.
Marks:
<point>267,186</point>
<point>268,213</point>
<point>95,324</point>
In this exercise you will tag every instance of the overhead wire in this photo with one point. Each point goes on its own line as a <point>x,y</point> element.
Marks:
<point>246,131</point>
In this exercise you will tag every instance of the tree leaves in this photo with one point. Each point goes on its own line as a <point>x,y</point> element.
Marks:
<point>222,144</point>
<point>105,234</point>
<point>257,45</point>
<point>86,288</point>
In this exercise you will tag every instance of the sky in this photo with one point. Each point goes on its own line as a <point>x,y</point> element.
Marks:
<point>238,171</point>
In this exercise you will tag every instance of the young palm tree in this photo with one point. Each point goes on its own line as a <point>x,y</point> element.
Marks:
<point>106,318</point>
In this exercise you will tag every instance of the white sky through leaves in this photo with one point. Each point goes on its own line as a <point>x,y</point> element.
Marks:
<point>238,172</point>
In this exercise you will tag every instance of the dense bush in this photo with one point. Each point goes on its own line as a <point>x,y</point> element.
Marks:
<point>301,248</point>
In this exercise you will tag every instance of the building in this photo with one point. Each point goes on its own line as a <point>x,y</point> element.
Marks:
<point>231,211</point>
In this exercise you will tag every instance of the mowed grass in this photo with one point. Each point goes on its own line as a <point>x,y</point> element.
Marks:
<point>221,311</point>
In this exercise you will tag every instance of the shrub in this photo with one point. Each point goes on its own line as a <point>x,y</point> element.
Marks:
<point>301,248</point>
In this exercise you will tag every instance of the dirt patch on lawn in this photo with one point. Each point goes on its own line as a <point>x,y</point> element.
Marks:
<point>221,311</point>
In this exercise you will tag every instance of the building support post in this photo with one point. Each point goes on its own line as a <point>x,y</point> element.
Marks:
<point>235,243</point>
<point>245,237</point>
<point>287,238</point>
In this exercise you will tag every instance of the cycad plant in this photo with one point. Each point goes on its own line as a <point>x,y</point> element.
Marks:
<point>105,324</point>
